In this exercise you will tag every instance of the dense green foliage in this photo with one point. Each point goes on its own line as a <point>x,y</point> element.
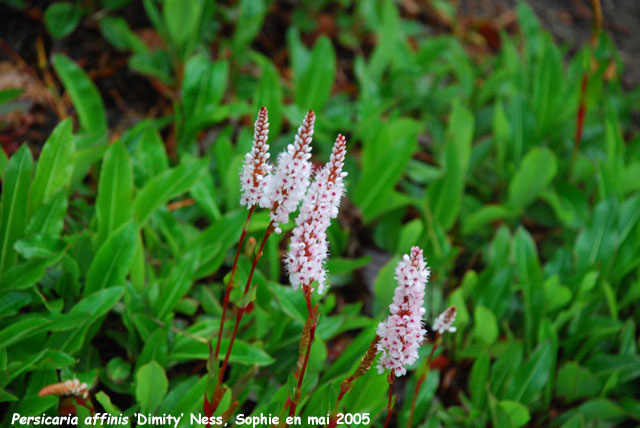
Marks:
<point>535,240</point>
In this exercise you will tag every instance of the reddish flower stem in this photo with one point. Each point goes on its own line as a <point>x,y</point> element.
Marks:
<point>390,403</point>
<point>580,115</point>
<point>227,293</point>
<point>597,27</point>
<point>217,396</point>
<point>313,315</point>
<point>241,311</point>
<point>303,370</point>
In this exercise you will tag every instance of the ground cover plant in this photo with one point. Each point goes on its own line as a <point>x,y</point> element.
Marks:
<point>477,265</point>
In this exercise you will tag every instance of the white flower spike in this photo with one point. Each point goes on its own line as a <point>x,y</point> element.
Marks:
<point>291,177</point>
<point>402,333</point>
<point>256,167</point>
<point>309,247</point>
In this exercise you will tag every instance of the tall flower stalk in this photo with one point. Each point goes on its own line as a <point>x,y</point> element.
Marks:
<point>281,192</point>
<point>254,178</point>
<point>402,333</point>
<point>309,249</point>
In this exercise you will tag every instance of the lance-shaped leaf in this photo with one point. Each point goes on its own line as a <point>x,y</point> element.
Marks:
<point>15,197</point>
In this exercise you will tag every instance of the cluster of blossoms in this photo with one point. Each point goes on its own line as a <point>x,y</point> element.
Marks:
<point>290,181</point>
<point>402,333</point>
<point>282,190</point>
<point>309,247</point>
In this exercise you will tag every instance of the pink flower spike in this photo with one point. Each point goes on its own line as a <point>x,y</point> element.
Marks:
<point>444,321</point>
<point>291,177</point>
<point>256,167</point>
<point>309,248</point>
<point>402,333</point>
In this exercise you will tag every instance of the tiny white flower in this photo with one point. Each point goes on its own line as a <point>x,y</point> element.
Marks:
<point>444,321</point>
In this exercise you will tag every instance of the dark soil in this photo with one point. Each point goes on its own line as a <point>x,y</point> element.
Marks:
<point>570,22</point>
<point>129,97</point>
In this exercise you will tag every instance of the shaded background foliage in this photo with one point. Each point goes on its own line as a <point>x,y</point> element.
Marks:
<point>464,138</point>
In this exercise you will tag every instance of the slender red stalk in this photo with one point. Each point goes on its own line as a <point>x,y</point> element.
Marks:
<point>227,293</point>
<point>241,311</point>
<point>580,115</point>
<point>597,27</point>
<point>210,407</point>
<point>313,314</point>
<point>390,378</point>
<point>312,321</point>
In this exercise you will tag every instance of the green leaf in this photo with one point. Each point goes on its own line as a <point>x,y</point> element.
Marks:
<point>530,379</point>
<point>21,330</point>
<point>517,414</point>
<point>166,185</point>
<point>485,215</point>
<point>116,30</point>
<point>538,168</point>
<point>6,96</point>
<point>49,218</point>
<point>485,326</point>
<point>92,307</point>
<point>114,204</point>
<point>118,369</point>
<point>26,274</point>
<point>203,86</point>
<point>548,98</point>
<point>150,157</point>
<point>241,353</point>
<point>203,191</point>
<point>113,260</point>
<point>151,386</point>
<point>602,409</point>
<point>3,162</point>
<point>84,95</point>
<point>387,150</point>
<point>54,167</point>
<point>109,407</point>
<point>575,382</point>
<point>597,241</point>
<point>504,366</point>
<point>15,198</point>
<point>156,64</point>
<point>62,18</point>
<point>298,53</point>
<point>501,132</point>
<point>530,277</point>
<point>269,94</point>
<point>250,16</point>
<point>313,87</point>
<point>384,286</point>
<point>39,246</point>
<point>178,283</point>
<point>478,380</point>
<point>445,195</point>
<point>182,20</point>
